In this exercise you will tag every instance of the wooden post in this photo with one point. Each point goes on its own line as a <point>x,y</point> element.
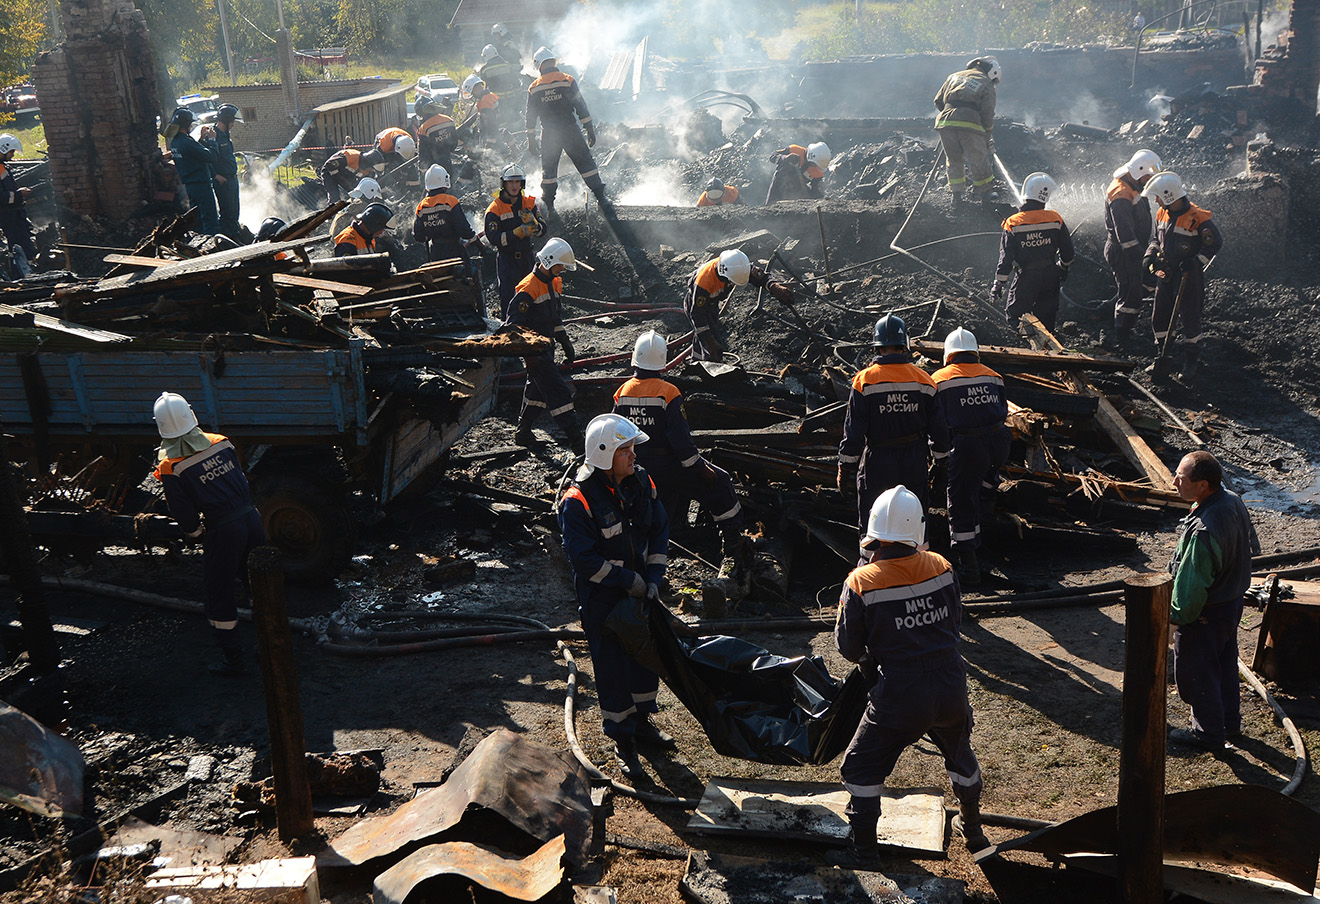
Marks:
<point>1141,757</point>
<point>293,794</point>
<point>25,574</point>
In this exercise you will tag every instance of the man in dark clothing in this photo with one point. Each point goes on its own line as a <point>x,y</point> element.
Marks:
<point>499,74</point>
<point>966,124</point>
<point>341,171</point>
<point>441,221</point>
<point>554,100</point>
<point>504,46</point>
<point>678,469</point>
<point>437,137</point>
<point>799,172</point>
<point>1185,242</point>
<point>208,495</point>
<point>537,306</point>
<point>362,236</point>
<point>1211,571</point>
<point>616,535</point>
<point>1127,233</point>
<point>892,421</point>
<point>512,221</point>
<point>226,170</point>
<point>899,617</point>
<point>971,396</point>
<point>196,164</point>
<point>1038,246</point>
<point>14,222</point>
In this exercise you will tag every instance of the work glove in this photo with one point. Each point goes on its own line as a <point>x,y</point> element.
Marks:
<point>997,290</point>
<point>870,671</point>
<point>591,134</point>
<point>567,345</point>
<point>522,232</point>
<point>533,145</point>
<point>1063,272</point>
<point>1152,263</point>
<point>638,588</point>
<point>780,291</point>
<point>653,592</point>
<point>846,481</point>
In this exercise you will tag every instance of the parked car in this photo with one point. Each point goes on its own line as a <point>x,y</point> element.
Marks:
<point>19,100</point>
<point>205,107</point>
<point>438,86</point>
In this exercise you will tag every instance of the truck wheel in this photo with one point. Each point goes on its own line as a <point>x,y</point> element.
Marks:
<point>308,520</point>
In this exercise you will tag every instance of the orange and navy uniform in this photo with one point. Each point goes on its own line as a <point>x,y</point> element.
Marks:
<point>386,139</point>
<point>1033,239</point>
<point>971,396</point>
<point>705,290</point>
<point>442,224</point>
<point>706,285</point>
<point>1183,244</point>
<point>1186,237</point>
<point>798,154</point>
<point>554,99</point>
<point>504,216</point>
<point>351,242</point>
<point>1127,213</point>
<point>537,304</point>
<point>656,406</point>
<point>903,611</point>
<point>487,102</point>
<point>730,196</point>
<point>209,483</point>
<point>437,138</point>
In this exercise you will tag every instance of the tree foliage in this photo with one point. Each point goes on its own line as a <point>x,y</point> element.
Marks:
<point>24,29</point>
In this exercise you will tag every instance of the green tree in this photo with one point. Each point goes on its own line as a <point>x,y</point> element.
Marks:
<point>185,35</point>
<point>23,30</point>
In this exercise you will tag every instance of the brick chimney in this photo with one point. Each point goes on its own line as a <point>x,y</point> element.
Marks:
<point>99,104</point>
<point>1290,70</point>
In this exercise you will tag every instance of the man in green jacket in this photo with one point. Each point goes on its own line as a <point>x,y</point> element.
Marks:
<point>1211,571</point>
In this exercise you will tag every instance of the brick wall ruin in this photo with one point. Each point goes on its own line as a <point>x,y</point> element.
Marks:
<point>99,103</point>
<point>1290,69</point>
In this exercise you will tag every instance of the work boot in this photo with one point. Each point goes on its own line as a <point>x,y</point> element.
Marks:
<point>1159,368</point>
<point>568,422</point>
<point>863,851</point>
<point>231,664</point>
<point>956,200</point>
<point>524,436</point>
<point>969,569</point>
<point>968,824</point>
<point>1191,363</point>
<point>648,734</point>
<point>734,580</point>
<point>625,754</point>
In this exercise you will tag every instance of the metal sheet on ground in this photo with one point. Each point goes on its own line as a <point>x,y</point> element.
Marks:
<point>720,879</point>
<point>40,771</point>
<point>912,818</point>
<point>521,878</point>
<point>1210,887</point>
<point>182,847</point>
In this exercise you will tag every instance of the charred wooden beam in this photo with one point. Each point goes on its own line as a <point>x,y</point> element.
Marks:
<point>1006,359</point>
<point>301,228</point>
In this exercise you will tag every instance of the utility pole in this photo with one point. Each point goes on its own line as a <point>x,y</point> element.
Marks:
<point>56,32</point>
<point>224,31</point>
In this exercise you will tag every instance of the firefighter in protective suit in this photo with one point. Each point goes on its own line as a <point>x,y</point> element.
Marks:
<point>971,396</point>
<point>208,495</point>
<point>966,124</point>
<point>1127,235</point>
<point>799,172</point>
<point>891,423</point>
<point>537,305</point>
<point>555,101</point>
<point>1037,246</point>
<point>679,470</point>
<point>512,221</point>
<point>441,222</point>
<point>616,535</point>
<point>1185,241</point>
<point>899,616</point>
<point>709,285</point>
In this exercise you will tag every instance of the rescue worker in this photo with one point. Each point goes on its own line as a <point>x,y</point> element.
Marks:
<point>1036,250</point>
<point>504,46</point>
<point>678,469</point>
<point>899,618</point>
<point>395,145</point>
<point>966,123</point>
<point>340,172</point>
<point>554,100</point>
<point>269,228</point>
<point>364,193</point>
<point>441,222</point>
<point>437,137</point>
<point>485,109</point>
<point>616,535</point>
<point>1211,571</point>
<point>225,182</point>
<point>709,285</point>
<point>1185,241</point>
<point>208,496</point>
<point>1127,234</point>
<point>14,222</point>
<point>537,305</point>
<point>499,74</point>
<point>361,237</point>
<point>718,193</point>
<point>891,422</point>
<point>195,163</point>
<point>799,172</point>
<point>971,397</point>
<point>512,221</point>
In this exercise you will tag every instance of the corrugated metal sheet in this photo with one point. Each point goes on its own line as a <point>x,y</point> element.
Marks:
<point>527,879</point>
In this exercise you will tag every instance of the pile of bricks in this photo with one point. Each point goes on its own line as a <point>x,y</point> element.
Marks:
<point>100,102</point>
<point>1290,69</point>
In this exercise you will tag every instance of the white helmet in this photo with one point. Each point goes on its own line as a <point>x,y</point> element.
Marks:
<point>818,155</point>
<point>651,351</point>
<point>512,171</point>
<point>992,68</point>
<point>9,143</point>
<point>542,56</point>
<point>406,146</point>
<point>605,434</point>
<point>1165,188</point>
<point>1038,187</point>
<point>369,189</point>
<point>897,516</point>
<point>960,340</point>
<point>489,52</point>
<point>436,177</point>
<point>174,416</point>
<point>470,84</point>
<point>557,251</point>
<point>1144,163</point>
<point>498,30</point>
<point>735,267</point>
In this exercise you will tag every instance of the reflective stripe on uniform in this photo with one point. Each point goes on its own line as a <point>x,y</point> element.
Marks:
<point>872,388</point>
<point>863,790</point>
<point>657,559</point>
<point>223,625</point>
<point>600,575</point>
<point>737,507</point>
<point>908,591</point>
<point>562,409</point>
<point>966,781</point>
<point>619,716</point>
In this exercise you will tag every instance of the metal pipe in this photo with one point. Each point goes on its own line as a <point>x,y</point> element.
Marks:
<point>1169,411</point>
<point>293,145</point>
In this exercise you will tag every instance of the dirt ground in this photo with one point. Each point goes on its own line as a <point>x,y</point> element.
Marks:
<point>1045,686</point>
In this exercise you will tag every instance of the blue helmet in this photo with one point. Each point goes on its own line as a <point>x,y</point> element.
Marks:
<point>890,330</point>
